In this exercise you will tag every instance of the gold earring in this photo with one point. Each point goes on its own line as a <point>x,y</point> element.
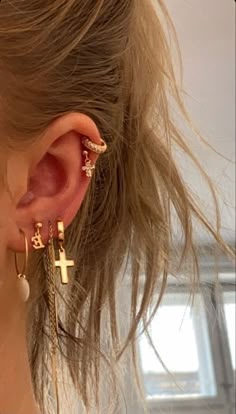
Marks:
<point>63,263</point>
<point>37,238</point>
<point>98,149</point>
<point>49,263</point>
<point>23,284</point>
<point>88,167</point>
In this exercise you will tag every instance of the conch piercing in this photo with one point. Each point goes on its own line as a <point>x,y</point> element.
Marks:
<point>23,284</point>
<point>37,238</point>
<point>98,149</point>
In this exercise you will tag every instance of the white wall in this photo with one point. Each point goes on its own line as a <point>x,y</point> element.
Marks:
<point>206,32</point>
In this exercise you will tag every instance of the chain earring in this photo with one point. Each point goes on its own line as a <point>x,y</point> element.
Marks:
<point>49,263</point>
<point>23,284</point>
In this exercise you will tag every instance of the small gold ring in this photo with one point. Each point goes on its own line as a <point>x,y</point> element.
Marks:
<point>98,149</point>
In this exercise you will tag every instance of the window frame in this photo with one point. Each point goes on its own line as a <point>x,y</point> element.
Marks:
<point>219,348</point>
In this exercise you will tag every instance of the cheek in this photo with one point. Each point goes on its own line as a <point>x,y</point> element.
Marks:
<point>6,213</point>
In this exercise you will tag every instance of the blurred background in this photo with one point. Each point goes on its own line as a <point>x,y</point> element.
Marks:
<point>197,344</point>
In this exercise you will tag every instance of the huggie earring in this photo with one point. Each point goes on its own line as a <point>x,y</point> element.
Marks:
<point>37,238</point>
<point>63,263</point>
<point>23,284</point>
<point>98,149</point>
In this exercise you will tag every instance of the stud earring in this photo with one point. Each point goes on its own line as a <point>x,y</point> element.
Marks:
<point>98,149</point>
<point>23,284</point>
<point>37,238</point>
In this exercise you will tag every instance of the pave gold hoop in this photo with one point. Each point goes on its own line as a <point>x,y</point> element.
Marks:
<point>98,149</point>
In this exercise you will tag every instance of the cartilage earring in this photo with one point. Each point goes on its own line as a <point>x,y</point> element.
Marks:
<point>88,167</point>
<point>98,149</point>
<point>23,284</point>
<point>37,238</point>
<point>63,263</point>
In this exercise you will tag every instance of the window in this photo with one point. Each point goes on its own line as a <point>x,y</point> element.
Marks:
<point>230,311</point>
<point>198,349</point>
<point>183,345</point>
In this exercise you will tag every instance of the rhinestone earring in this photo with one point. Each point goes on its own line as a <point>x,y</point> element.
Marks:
<point>98,149</point>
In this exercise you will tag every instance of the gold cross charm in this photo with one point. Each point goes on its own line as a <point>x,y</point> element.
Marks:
<point>88,167</point>
<point>63,264</point>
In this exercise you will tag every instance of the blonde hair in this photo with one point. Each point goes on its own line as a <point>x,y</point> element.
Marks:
<point>110,60</point>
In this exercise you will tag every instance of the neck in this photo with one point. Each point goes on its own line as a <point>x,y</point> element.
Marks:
<point>16,390</point>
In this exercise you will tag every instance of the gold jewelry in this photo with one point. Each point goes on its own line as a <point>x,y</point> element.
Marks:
<point>63,263</point>
<point>37,238</point>
<point>98,149</point>
<point>88,167</point>
<point>23,284</point>
<point>49,263</point>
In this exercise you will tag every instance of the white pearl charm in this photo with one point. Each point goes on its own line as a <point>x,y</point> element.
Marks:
<point>23,288</point>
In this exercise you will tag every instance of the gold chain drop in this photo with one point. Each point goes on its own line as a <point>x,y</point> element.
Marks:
<point>53,317</point>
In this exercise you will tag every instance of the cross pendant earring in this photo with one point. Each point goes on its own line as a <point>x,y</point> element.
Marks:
<point>88,167</point>
<point>63,263</point>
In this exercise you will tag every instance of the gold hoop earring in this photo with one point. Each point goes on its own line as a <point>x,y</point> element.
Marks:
<point>98,149</point>
<point>23,284</point>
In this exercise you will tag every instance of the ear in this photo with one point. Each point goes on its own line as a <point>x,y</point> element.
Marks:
<point>48,181</point>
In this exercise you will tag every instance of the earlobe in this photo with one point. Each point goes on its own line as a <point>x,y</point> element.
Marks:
<point>59,179</point>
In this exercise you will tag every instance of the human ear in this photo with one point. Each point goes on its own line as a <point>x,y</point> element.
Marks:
<point>53,183</point>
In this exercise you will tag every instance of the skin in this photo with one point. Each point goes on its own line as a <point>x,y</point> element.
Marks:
<point>46,182</point>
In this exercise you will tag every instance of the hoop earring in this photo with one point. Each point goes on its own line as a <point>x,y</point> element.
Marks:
<point>23,284</point>
<point>98,149</point>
